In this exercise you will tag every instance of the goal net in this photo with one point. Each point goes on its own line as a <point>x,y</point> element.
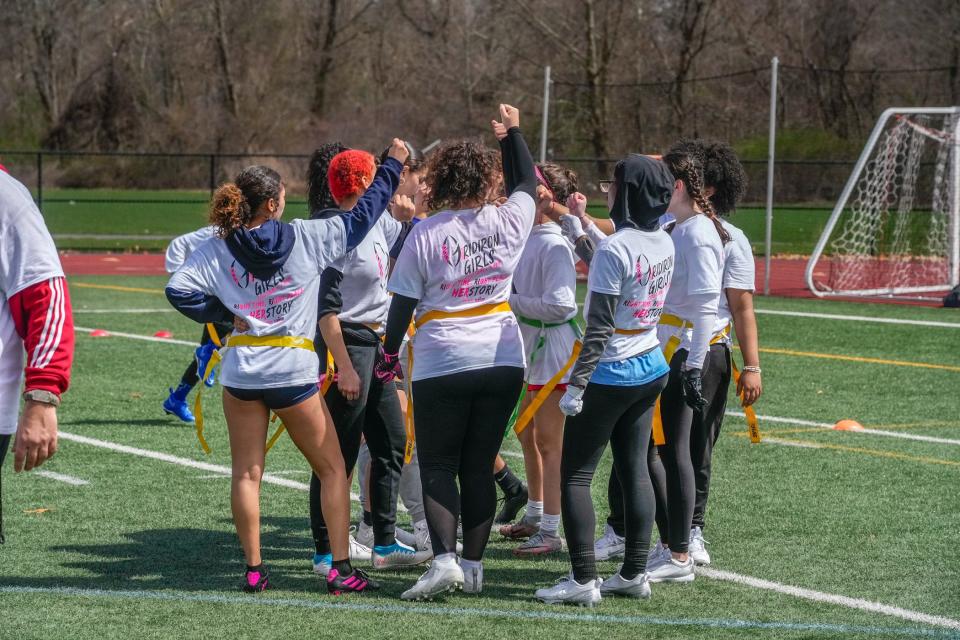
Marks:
<point>895,231</point>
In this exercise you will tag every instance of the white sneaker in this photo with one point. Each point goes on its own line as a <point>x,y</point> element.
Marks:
<point>639,587</point>
<point>657,556</point>
<point>698,550</point>
<point>398,555</point>
<point>359,552</point>
<point>473,579</point>
<point>608,546</point>
<point>422,535</point>
<point>672,571</point>
<point>437,580</point>
<point>569,591</point>
<point>365,535</point>
<point>406,537</point>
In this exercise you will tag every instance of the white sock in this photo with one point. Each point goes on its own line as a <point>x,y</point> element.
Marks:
<point>445,559</point>
<point>467,565</point>
<point>550,524</point>
<point>534,509</point>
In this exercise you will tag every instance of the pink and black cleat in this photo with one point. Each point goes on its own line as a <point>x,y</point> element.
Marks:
<point>255,581</point>
<point>356,581</point>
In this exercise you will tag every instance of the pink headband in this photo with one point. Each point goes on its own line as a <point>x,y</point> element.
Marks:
<point>543,181</point>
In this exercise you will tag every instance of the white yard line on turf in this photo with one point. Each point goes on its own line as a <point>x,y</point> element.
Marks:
<point>53,475</point>
<point>871,432</point>
<point>424,609</point>
<point>837,316</point>
<point>112,311</point>
<point>819,596</point>
<point>134,336</point>
<point>268,478</point>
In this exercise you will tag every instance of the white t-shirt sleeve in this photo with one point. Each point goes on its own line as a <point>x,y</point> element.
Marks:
<point>194,275</point>
<point>606,272</point>
<point>739,272</point>
<point>391,229</point>
<point>559,299</point>
<point>520,209</point>
<point>27,252</point>
<point>409,276</point>
<point>325,240</point>
<point>704,270</point>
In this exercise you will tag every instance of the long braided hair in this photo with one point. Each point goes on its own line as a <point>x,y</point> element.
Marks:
<point>687,166</point>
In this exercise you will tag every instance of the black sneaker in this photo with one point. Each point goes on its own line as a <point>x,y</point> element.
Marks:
<point>511,505</point>
<point>356,581</point>
<point>255,581</point>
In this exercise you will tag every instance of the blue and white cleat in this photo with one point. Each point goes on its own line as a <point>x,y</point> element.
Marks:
<point>322,563</point>
<point>398,555</point>
<point>176,404</point>
<point>203,354</point>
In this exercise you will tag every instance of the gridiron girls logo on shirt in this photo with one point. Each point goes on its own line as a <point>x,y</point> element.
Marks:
<point>472,256</point>
<point>654,279</point>
<point>269,306</point>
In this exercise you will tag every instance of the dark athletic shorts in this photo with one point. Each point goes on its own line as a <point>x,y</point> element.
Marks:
<point>276,398</point>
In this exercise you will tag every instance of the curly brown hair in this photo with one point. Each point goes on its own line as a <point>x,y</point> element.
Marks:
<point>461,171</point>
<point>562,181</point>
<point>686,165</point>
<point>234,204</point>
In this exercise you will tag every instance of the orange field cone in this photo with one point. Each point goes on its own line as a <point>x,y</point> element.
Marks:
<point>99,333</point>
<point>163,334</point>
<point>848,425</point>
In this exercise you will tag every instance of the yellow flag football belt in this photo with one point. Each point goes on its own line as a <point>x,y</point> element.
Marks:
<point>680,326</point>
<point>436,314</point>
<point>293,342</point>
<point>544,392</point>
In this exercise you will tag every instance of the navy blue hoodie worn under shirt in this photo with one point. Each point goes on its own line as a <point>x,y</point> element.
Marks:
<point>263,250</point>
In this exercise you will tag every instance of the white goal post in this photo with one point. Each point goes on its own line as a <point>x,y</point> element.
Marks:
<point>895,231</point>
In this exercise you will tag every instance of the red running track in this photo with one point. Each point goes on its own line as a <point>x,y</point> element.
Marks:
<point>786,273</point>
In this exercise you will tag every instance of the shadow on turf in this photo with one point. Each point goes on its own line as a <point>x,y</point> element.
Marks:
<point>191,559</point>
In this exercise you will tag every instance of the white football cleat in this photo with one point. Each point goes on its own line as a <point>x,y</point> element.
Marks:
<point>657,555</point>
<point>437,580</point>
<point>569,591</point>
<point>398,555</point>
<point>639,587</point>
<point>359,552</point>
<point>609,545</point>
<point>406,537</point>
<point>698,549</point>
<point>672,571</point>
<point>422,535</point>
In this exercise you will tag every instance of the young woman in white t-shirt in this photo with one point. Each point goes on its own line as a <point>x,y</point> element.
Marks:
<point>616,379</point>
<point>545,302</point>
<point>724,183</point>
<point>686,328</point>
<point>266,274</point>
<point>455,270</point>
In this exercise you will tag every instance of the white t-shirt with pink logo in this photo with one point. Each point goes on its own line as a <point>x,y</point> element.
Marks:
<point>458,260</point>
<point>637,266</point>
<point>365,271</point>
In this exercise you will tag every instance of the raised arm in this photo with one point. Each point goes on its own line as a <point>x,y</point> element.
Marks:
<point>359,220</point>
<point>518,170</point>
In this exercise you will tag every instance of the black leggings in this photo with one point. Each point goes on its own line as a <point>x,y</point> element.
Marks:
<point>190,375</point>
<point>622,416</point>
<point>460,420</point>
<point>376,416</point>
<point>4,443</point>
<point>703,437</point>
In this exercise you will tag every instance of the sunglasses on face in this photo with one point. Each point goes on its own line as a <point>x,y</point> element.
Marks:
<point>605,185</point>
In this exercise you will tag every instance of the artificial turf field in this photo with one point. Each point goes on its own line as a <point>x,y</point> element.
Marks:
<point>147,547</point>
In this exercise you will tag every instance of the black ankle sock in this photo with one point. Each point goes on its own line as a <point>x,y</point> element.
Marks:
<point>367,518</point>
<point>343,567</point>
<point>258,568</point>
<point>507,481</point>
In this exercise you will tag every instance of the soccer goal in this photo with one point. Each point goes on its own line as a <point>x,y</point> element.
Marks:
<point>895,231</point>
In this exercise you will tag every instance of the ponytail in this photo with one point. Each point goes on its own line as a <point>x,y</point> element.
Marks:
<point>229,210</point>
<point>688,168</point>
<point>235,204</point>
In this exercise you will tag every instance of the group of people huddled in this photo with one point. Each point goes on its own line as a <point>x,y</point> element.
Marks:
<point>428,306</point>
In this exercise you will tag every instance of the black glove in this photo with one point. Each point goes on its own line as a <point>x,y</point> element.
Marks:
<point>691,385</point>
